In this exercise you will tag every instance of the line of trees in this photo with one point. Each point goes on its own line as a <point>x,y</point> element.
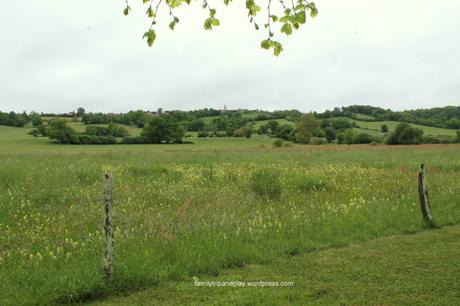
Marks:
<point>159,129</point>
<point>443,117</point>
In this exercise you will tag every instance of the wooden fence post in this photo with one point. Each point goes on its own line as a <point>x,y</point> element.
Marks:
<point>108,227</point>
<point>424,199</point>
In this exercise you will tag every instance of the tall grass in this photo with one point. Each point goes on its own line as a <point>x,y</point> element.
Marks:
<point>180,214</point>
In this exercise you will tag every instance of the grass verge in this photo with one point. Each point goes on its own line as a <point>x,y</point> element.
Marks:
<point>420,269</point>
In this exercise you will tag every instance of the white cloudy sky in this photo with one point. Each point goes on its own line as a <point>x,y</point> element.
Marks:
<point>58,55</point>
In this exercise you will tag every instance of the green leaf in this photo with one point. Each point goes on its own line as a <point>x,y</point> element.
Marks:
<point>265,44</point>
<point>215,22</point>
<point>150,12</point>
<point>287,29</point>
<point>208,24</point>
<point>277,49</point>
<point>151,36</point>
<point>313,9</point>
<point>314,13</point>
<point>301,17</point>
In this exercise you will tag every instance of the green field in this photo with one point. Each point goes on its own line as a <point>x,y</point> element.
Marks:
<point>195,209</point>
<point>375,126</point>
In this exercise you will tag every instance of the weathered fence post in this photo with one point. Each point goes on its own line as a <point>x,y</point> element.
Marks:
<point>424,200</point>
<point>108,227</point>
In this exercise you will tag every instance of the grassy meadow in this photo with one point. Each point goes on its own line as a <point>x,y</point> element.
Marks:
<point>195,209</point>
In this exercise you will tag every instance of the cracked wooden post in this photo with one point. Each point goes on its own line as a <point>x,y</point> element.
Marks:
<point>108,227</point>
<point>424,199</point>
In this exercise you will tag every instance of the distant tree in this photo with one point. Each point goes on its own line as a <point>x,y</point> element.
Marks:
<point>247,132</point>
<point>273,126</point>
<point>34,133</point>
<point>14,119</point>
<point>458,136</point>
<point>340,138</point>
<point>263,129</point>
<point>349,137</point>
<point>163,129</point>
<point>243,132</point>
<point>363,138</point>
<point>405,134</point>
<point>308,126</point>
<point>59,131</point>
<point>384,128</point>
<point>330,134</point>
<point>229,131</point>
<point>42,130</point>
<point>80,111</point>
<point>453,123</point>
<point>196,125</point>
<point>35,119</point>
<point>325,123</point>
<point>341,124</point>
<point>286,132</point>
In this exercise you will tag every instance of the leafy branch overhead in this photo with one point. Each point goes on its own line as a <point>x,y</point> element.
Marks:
<point>287,15</point>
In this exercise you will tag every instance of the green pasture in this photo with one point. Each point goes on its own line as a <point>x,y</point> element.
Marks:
<point>192,210</point>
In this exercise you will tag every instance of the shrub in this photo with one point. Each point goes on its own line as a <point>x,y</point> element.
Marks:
<point>384,128</point>
<point>363,138</point>
<point>341,124</point>
<point>91,139</point>
<point>163,128</point>
<point>117,130</point>
<point>349,137</point>
<point>243,132</point>
<point>341,138</point>
<point>286,132</point>
<point>36,120</point>
<point>307,126</point>
<point>405,134</point>
<point>59,131</point>
<point>330,134</point>
<point>42,129</point>
<point>265,183</point>
<point>278,143</point>
<point>34,133</point>
<point>247,132</point>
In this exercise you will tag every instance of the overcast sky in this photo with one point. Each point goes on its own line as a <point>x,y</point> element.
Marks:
<point>59,55</point>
